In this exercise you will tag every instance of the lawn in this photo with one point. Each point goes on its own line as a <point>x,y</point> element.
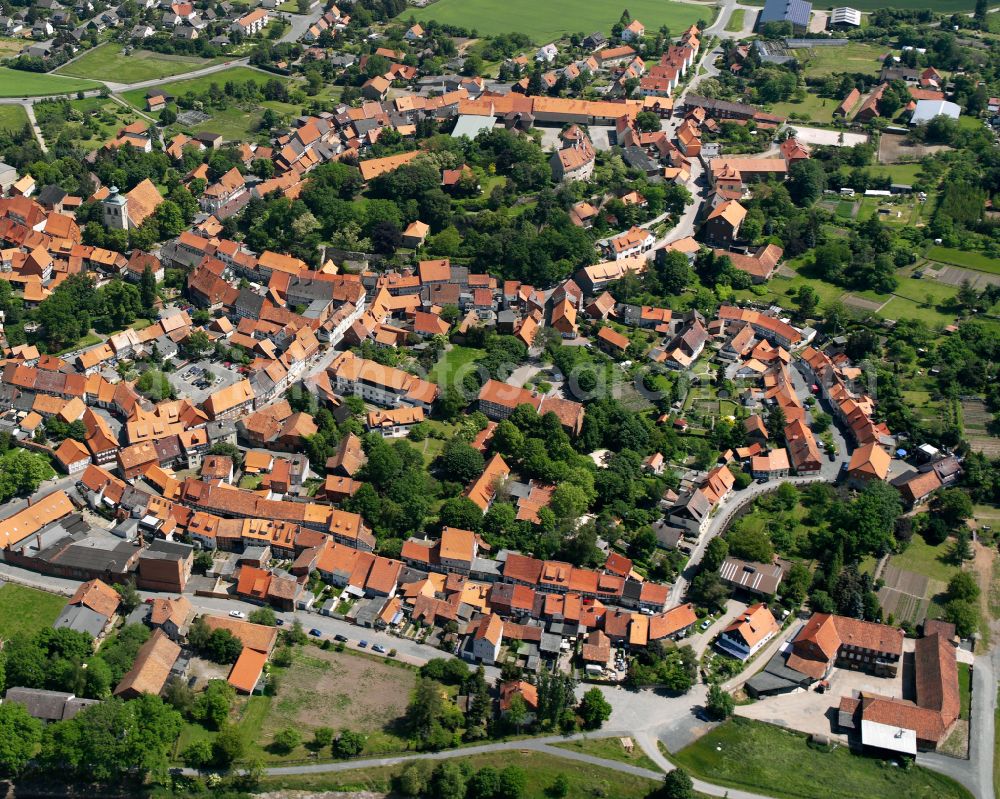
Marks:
<point>970,260</point>
<point>812,107</point>
<point>27,610</point>
<point>965,690</point>
<point>108,62</point>
<point>18,83</point>
<point>542,769</point>
<point>556,18</point>
<point>454,362</point>
<point>777,762</point>
<point>12,117</point>
<point>610,749</point>
<point>735,24</point>
<point>853,57</point>
<point>922,558</point>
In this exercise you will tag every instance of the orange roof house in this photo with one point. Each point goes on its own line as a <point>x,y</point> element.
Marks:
<point>869,462</point>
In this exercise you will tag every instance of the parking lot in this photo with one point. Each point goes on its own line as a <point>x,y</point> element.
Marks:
<point>197,381</point>
<point>812,712</point>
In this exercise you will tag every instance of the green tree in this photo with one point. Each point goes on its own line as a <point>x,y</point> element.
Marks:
<point>963,586</point>
<point>286,740</point>
<point>130,598</point>
<point>594,709</point>
<point>198,754</point>
<point>106,741</point>
<point>677,785</point>
<point>461,462</point>
<point>716,551</point>
<point>147,290</point>
<point>228,746</point>
<point>19,735</point>
<point>263,616</point>
<point>348,744</point>
<point>953,505</point>
<point>447,781</point>
<point>963,615</point>
<point>213,705</point>
<point>720,703</point>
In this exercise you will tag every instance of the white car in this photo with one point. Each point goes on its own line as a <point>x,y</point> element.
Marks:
<point>237,614</point>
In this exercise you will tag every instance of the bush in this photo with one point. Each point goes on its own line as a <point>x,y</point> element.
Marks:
<point>286,740</point>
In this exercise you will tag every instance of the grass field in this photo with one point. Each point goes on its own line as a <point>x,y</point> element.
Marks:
<point>812,107</point>
<point>610,749</point>
<point>26,610</point>
<point>964,690</point>
<point>557,18</point>
<point>17,83</point>
<point>755,756</point>
<point>454,361</point>
<point>101,118</point>
<point>735,23</point>
<point>10,47</point>
<point>107,62</point>
<point>12,117</point>
<point>584,779</point>
<point>853,57</point>
<point>970,260</point>
<point>922,558</point>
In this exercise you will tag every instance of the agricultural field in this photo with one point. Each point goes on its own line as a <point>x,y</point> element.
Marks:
<point>108,62</point>
<point>970,260</point>
<point>26,610</point>
<point>12,117</point>
<point>17,83</point>
<point>583,779</point>
<point>914,578</point>
<point>976,421</point>
<point>333,675</point>
<point>10,47</point>
<point>760,757</point>
<point>556,18</point>
<point>853,57</point>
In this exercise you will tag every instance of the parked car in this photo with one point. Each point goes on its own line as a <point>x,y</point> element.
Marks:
<point>280,622</point>
<point>339,637</point>
<point>363,644</point>
<point>315,632</point>
<point>237,614</point>
<point>706,624</point>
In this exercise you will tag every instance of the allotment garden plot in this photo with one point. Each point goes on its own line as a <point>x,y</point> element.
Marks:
<point>907,595</point>
<point>975,418</point>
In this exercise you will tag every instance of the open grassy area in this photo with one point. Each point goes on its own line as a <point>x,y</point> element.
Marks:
<point>17,83</point>
<point>12,117</point>
<point>108,62</point>
<point>853,57</point>
<point>812,107</point>
<point>454,362</point>
<point>10,47</point>
<point>735,23</point>
<point>27,610</point>
<point>964,689</point>
<point>922,558</point>
<point>545,22</point>
<point>970,260</point>
<point>584,779</point>
<point>780,763</point>
<point>611,749</point>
